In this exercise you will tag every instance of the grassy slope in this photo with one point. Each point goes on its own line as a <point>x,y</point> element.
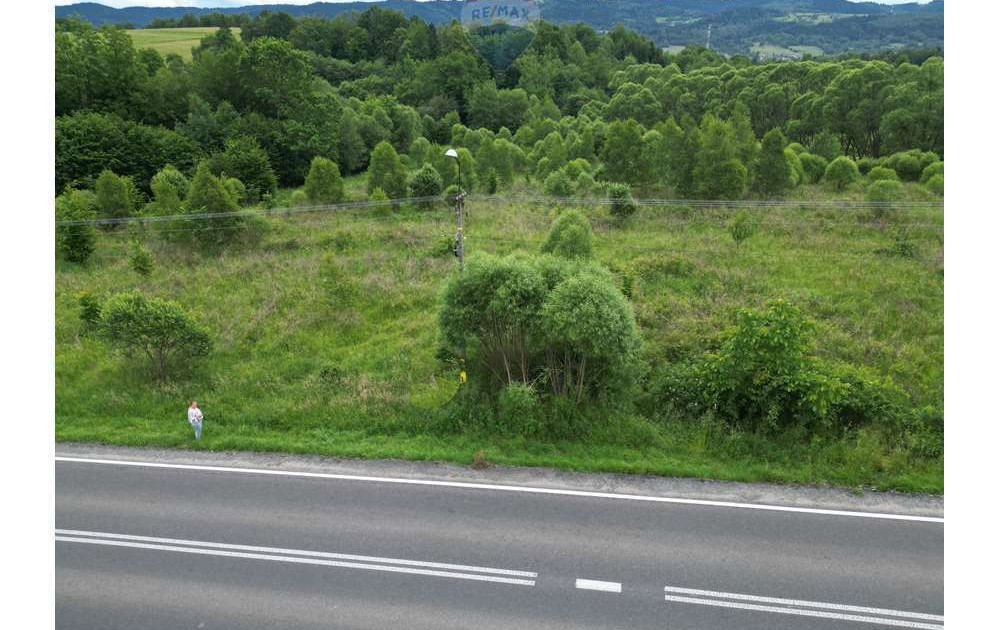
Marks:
<point>173,40</point>
<point>297,370</point>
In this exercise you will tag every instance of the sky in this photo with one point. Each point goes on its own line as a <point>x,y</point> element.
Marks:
<point>242,3</point>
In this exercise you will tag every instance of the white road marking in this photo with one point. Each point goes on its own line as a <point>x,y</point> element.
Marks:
<point>885,621</point>
<point>802,602</point>
<point>598,585</point>
<point>504,488</point>
<point>295,552</point>
<point>296,560</point>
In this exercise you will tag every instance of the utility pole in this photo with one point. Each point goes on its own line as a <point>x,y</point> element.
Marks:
<point>460,234</point>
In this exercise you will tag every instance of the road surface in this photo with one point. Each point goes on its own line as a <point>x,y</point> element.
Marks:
<point>202,548</point>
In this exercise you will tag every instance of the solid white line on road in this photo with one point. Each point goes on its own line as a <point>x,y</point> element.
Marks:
<point>505,488</point>
<point>295,560</point>
<point>903,623</point>
<point>598,585</point>
<point>808,604</point>
<point>295,552</point>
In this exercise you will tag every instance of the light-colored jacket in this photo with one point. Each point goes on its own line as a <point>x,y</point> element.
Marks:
<point>194,415</point>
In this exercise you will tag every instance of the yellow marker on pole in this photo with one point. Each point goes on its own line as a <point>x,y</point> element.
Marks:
<point>462,376</point>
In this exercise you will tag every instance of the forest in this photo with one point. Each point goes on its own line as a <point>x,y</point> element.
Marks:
<point>301,88</point>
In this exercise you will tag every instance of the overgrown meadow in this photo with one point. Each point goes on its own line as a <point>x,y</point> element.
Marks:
<point>326,340</point>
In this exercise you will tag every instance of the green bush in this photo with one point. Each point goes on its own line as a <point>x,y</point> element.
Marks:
<point>76,242</point>
<point>591,338</point>
<point>570,236</point>
<point>159,331</point>
<point>932,169</point>
<point>141,260</point>
<point>382,209</point>
<point>866,164</point>
<point>558,184</point>
<point>116,196</point>
<point>936,185</point>
<point>323,183</point>
<point>841,172</point>
<point>244,159</point>
<point>584,184</point>
<point>519,410</point>
<point>622,204</point>
<point>90,311</point>
<point>541,319</point>
<point>741,227</point>
<point>813,166</point>
<point>882,173</point>
<point>236,189</point>
<point>299,198</point>
<point>884,191</point>
<point>908,165</point>
<point>764,379</point>
<point>426,182</point>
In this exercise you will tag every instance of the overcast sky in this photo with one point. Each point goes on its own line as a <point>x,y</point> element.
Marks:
<point>243,3</point>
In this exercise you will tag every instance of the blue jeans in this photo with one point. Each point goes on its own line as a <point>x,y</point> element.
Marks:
<point>197,430</point>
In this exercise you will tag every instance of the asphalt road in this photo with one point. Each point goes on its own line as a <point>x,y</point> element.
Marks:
<point>141,547</point>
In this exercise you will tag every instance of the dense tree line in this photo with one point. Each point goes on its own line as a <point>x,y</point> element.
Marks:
<point>573,107</point>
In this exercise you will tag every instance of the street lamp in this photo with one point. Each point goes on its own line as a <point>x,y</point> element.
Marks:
<point>452,153</point>
<point>459,234</point>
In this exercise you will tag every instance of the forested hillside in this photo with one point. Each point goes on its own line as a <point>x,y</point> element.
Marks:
<point>339,87</point>
<point>738,26</point>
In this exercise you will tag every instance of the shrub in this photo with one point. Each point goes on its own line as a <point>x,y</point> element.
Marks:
<point>542,319</point>
<point>76,242</point>
<point>762,378</point>
<point>867,163</point>
<point>90,311</point>
<point>323,183</point>
<point>741,227</point>
<point>773,173</point>
<point>299,198</point>
<point>426,183</point>
<point>813,166</point>
<point>884,191</point>
<point>932,169</point>
<point>386,171</point>
<point>141,260</point>
<point>622,204</point>
<point>584,184</point>
<point>492,181</point>
<point>882,173</point>
<point>558,184</point>
<point>907,165</point>
<point>236,189</point>
<point>591,338</point>
<point>169,187</point>
<point>159,330</point>
<point>116,196</point>
<point>519,410</point>
<point>841,172</point>
<point>570,236</point>
<point>208,194</point>
<point>723,180</point>
<point>244,159</point>
<point>936,185</point>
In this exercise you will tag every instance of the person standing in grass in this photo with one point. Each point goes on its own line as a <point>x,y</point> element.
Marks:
<point>195,417</point>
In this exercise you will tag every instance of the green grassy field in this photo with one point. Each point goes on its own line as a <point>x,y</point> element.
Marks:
<point>350,370</point>
<point>173,40</point>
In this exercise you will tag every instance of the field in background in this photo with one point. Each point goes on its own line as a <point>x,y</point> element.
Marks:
<point>173,40</point>
<point>325,335</point>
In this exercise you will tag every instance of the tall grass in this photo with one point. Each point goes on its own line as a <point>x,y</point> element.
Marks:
<point>326,334</point>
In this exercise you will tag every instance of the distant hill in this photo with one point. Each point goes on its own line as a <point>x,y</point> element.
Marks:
<point>766,27</point>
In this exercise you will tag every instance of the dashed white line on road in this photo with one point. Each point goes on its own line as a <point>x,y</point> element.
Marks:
<point>505,488</point>
<point>598,585</point>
